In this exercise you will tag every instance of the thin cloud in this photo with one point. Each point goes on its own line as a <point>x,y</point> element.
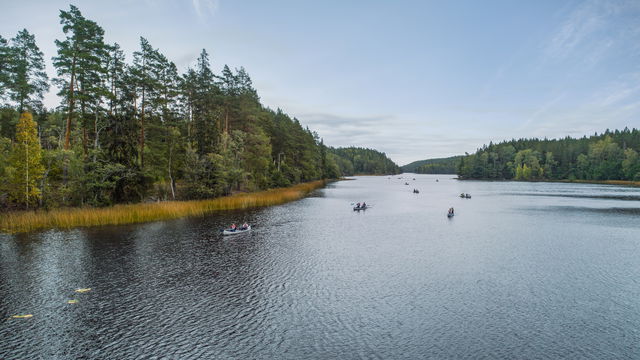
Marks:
<point>205,8</point>
<point>582,22</point>
<point>341,120</point>
<point>592,29</point>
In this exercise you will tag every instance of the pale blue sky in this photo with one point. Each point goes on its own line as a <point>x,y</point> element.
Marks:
<point>415,79</point>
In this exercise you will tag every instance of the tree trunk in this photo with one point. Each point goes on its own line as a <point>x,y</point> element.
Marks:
<point>95,134</point>
<point>171,182</point>
<point>142,132</point>
<point>67,134</point>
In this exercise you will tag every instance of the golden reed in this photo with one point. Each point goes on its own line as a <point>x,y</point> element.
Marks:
<point>25,221</point>
<point>605,182</point>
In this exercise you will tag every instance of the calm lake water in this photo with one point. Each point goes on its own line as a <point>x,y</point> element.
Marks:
<point>524,270</point>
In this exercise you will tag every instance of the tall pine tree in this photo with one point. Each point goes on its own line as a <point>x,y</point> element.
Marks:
<point>27,79</point>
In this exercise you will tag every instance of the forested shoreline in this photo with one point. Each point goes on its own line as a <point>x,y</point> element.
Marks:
<point>612,155</point>
<point>138,130</point>
<point>434,166</point>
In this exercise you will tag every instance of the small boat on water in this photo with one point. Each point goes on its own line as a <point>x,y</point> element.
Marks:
<point>358,208</point>
<point>406,183</point>
<point>416,191</point>
<point>450,215</point>
<point>236,231</point>
<point>465,196</point>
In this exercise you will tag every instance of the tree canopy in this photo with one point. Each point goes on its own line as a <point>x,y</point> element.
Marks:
<point>612,155</point>
<point>135,130</point>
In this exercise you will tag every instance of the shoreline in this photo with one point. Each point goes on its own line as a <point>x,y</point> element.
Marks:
<point>577,181</point>
<point>68,218</point>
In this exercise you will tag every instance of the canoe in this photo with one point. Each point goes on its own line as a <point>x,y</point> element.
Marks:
<point>235,232</point>
<point>450,215</point>
<point>360,208</point>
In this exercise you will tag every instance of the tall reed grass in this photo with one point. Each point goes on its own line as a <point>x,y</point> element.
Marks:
<point>605,182</point>
<point>25,221</point>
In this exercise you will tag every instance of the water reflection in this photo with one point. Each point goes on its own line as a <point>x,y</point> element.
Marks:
<point>510,276</point>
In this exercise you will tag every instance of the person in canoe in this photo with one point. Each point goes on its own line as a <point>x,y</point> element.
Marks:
<point>358,206</point>
<point>245,226</point>
<point>364,204</point>
<point>450,211</point>
<point>233,227</point>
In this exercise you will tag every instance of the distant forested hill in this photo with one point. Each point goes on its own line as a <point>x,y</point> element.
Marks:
<point>356,160</point>
<point>612,155</point>
<point>434,166</point>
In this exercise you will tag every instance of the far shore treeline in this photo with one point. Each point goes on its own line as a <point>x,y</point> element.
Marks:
<point>434,166</point>
<point>131,130</point>
<point>612,155</point>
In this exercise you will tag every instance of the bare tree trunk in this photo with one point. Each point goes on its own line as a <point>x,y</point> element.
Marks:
<point>95,134</point>
<point>67,134</point>
<point>171,182</point>
<point>142,132</point>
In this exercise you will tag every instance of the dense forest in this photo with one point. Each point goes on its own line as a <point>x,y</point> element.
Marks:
<point>434,166</point>
<point>130,131</point>
<point>612,155</point>
<point>355,160</point>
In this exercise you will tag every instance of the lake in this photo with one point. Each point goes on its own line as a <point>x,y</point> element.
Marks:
<point>523,270</point>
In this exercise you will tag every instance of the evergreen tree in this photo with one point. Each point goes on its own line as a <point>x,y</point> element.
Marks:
<point>27,79</point>
<point>79,64</point>
<point>206,114</point>
<point>145,83</point>
<point>5,55</point>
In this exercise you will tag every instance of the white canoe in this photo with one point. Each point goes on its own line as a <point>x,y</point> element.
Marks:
<point>236,232</point>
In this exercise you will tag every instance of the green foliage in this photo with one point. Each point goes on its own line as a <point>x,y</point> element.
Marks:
<point>599,157</point>
<point>204,175</point>
<point>5,56</point>
<point>631,164</point>
<point>364,161</point>
<point>123,129</point>
<point>434,166</point>
<point>26,79</point>
<point>26,163</point>
<point>5,152</point>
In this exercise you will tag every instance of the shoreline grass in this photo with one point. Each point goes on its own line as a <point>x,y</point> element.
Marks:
<point>604,182</point>
<point>577,181</point>
<point>27,221</point>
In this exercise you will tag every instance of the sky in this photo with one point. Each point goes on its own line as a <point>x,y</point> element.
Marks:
<point>414,79</point>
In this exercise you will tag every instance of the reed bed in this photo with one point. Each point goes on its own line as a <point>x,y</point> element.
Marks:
<point>25,221</point>
<point>605,182</point>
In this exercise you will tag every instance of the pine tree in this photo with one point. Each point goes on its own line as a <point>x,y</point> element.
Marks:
<point>141,74</point>
<point>26,161</point>
<point>27,79</point>
<point>115,66</point>
<point>206,113</point>
<point>80,65</point>
<point>4,65</point>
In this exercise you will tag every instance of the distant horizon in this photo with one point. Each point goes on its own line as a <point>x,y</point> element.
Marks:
<point>413,80</point>
<point>597,133</point>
